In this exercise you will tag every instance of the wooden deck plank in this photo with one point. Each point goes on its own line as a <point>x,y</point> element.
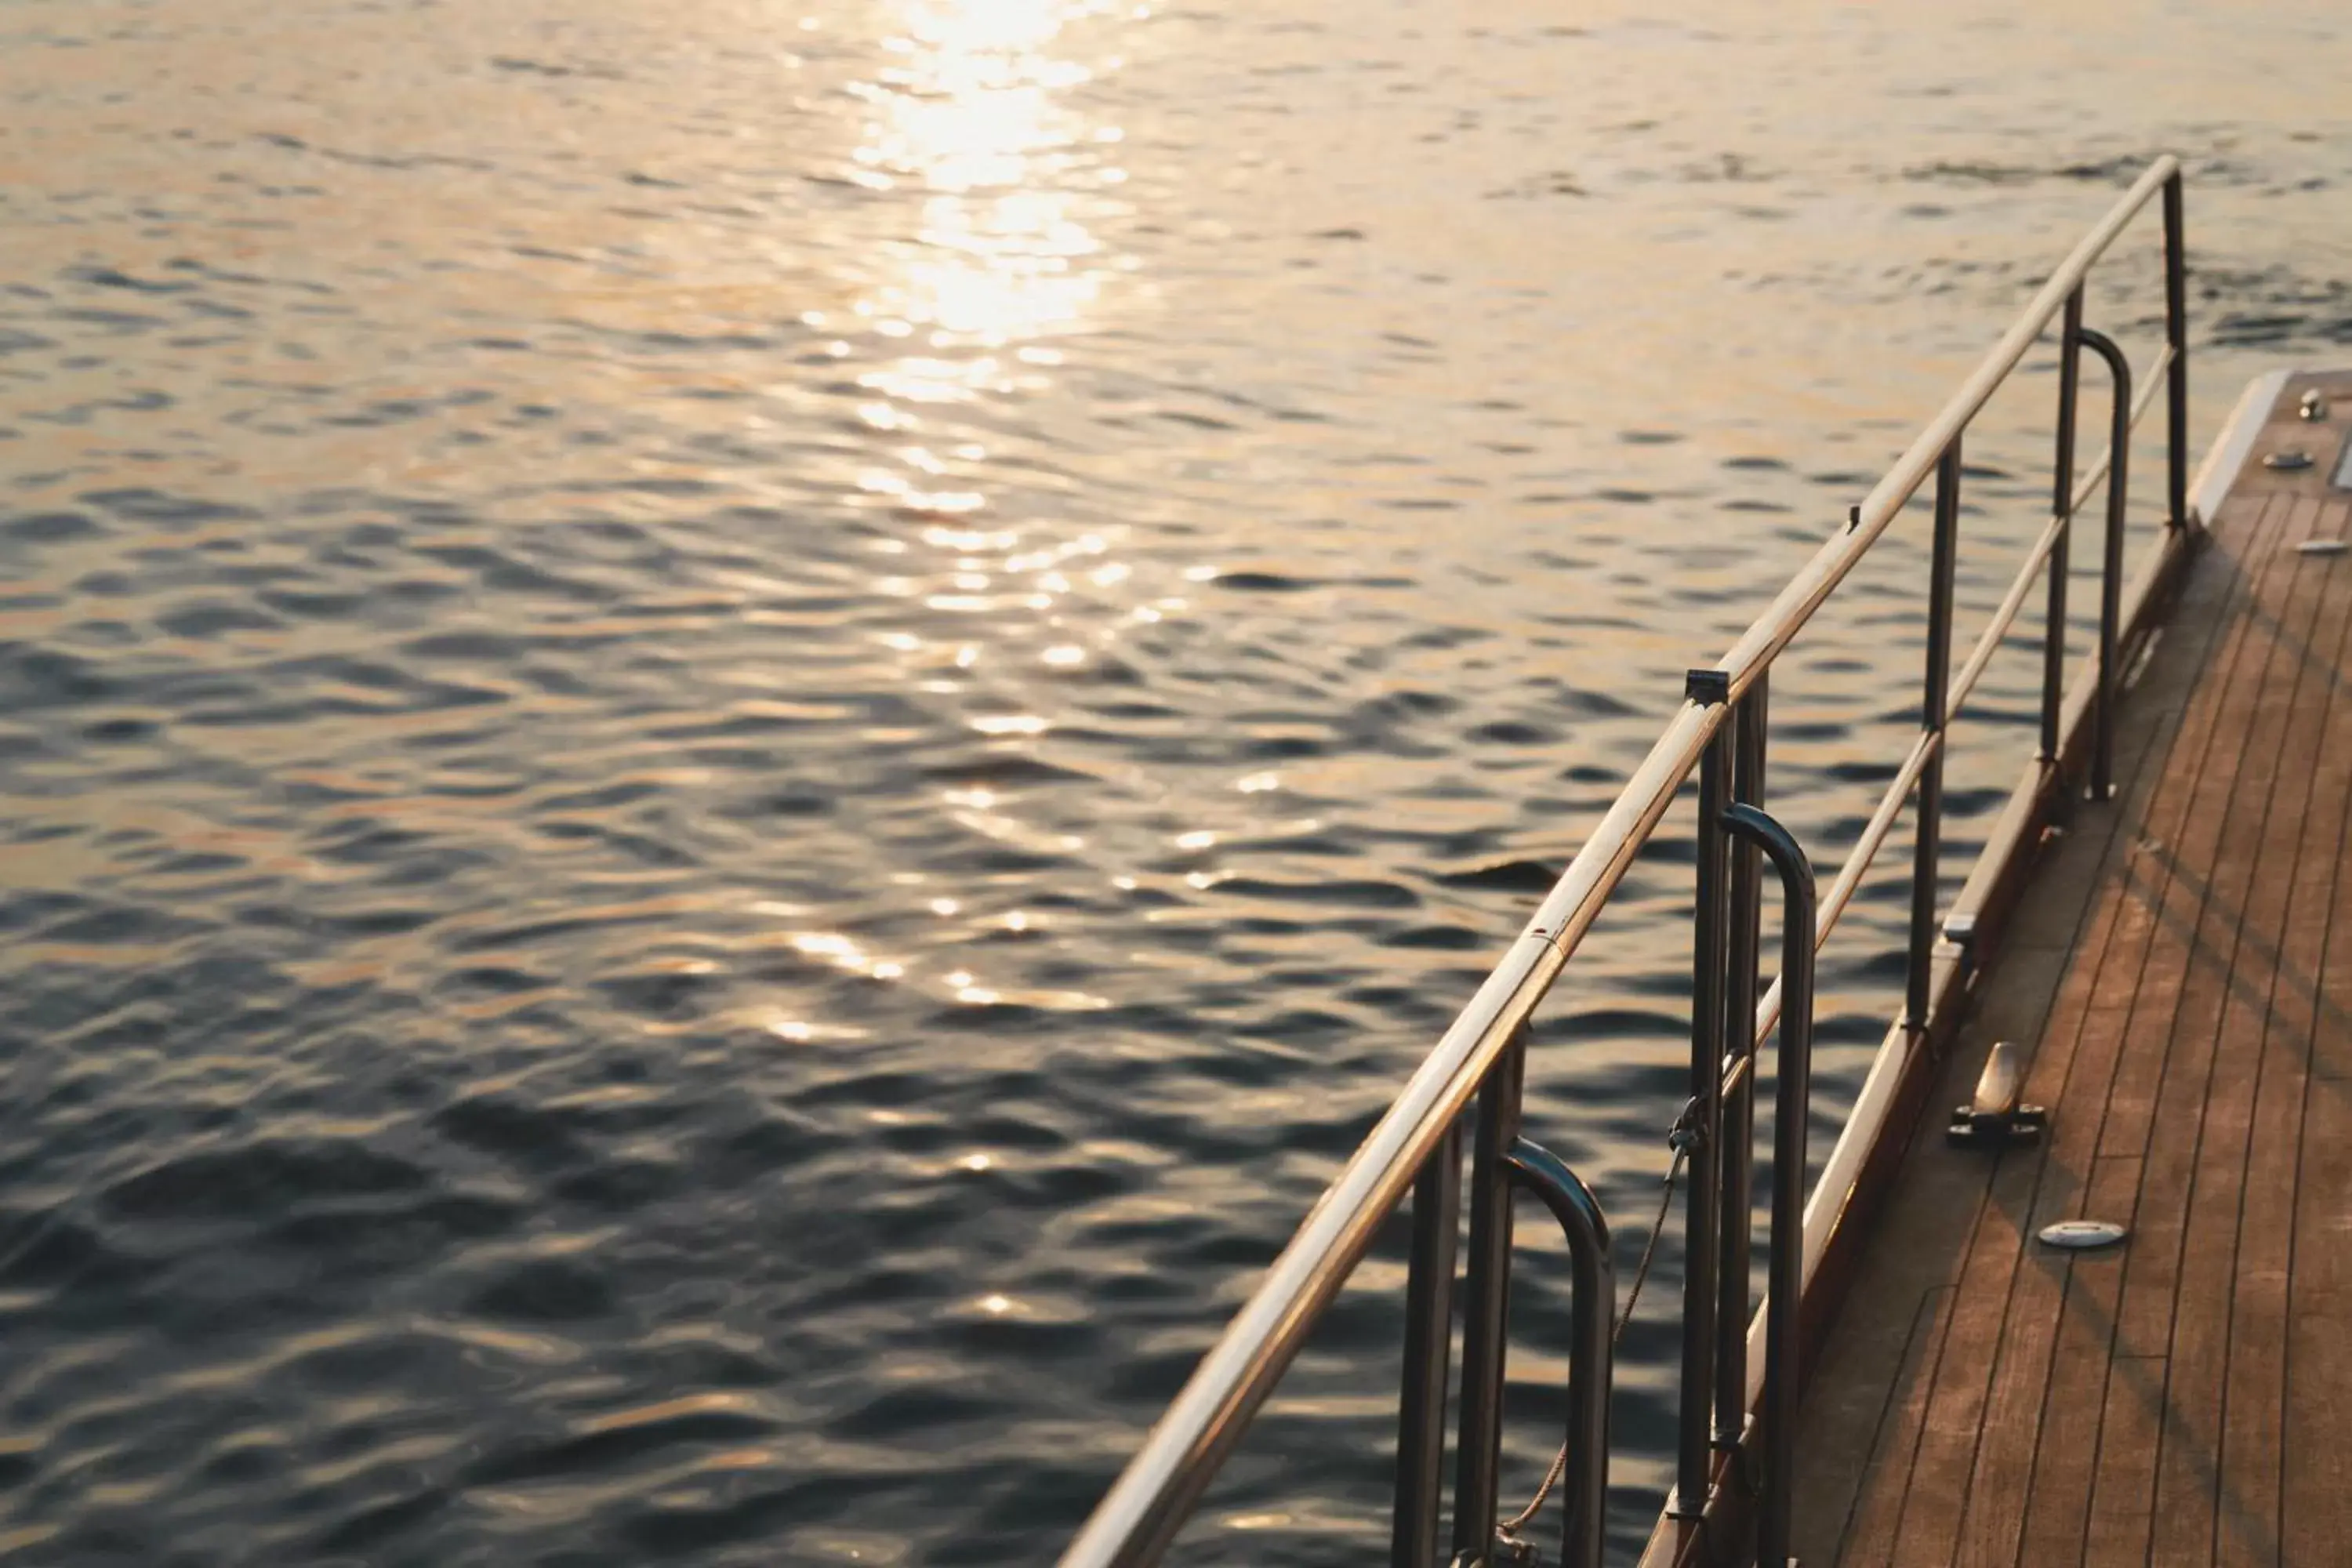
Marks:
<point>2157,1108</point>
<point>2036,1355</point>
<point>2066,1448</point>
<point>2315,1505</point>
<point>2078,1046</point>
<point>2183,827</point>
<point>2314,1477</point>
<point>2158,1094</point>
<point>2060,1456</point>
<point>1952,1416</point>
<point>2191,1486</point>
<point>1879,1512</point>
<point>2117,1532</point>
<point>2168,1403</point>
<point>1939,1472</point>
<point>2110,927</point>
<point>2015,1328</point>
<point>2253,1381</point>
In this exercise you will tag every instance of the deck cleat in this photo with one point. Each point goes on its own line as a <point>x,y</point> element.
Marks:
<point>1994,1116</point>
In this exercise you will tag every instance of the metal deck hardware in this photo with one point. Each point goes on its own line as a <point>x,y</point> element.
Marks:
<point>1694,1452</point>
<point>2111,579</point>
<point>1730,1465</point>
<point>1993,1115</point>
<point>2082,1235</point>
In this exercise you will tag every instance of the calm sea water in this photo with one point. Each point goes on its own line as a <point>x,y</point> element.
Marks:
<point>740,736</point>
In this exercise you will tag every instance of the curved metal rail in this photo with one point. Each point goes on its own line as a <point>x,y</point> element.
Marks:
<point>1540,1172</point>
<point>1722,721</point>
<point>1792,1088</point>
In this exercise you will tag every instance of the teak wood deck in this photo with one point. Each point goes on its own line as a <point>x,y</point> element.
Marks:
<point>2181,977</point>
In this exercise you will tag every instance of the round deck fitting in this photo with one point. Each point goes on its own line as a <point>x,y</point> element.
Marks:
<point>2078,1235</point>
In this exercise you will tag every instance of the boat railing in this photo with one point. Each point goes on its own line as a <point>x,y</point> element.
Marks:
<point>1731,1496</point>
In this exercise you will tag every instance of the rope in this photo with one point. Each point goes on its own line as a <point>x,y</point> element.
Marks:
<point>1683,1137</point>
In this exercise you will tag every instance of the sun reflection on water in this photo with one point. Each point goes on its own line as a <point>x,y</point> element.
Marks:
<point>988,135</point>
<point>975,113</point>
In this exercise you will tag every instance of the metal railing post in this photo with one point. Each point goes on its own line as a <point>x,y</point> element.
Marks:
<point>1692,1453</point>
<point>2175,337</point>
<point>1584,1490</point>
<point>2111,579</point>
<point>1791,1109</point>
<point>1736,1118</point>
<point>1926,858</point>
<point>1486,1305</point>
<point>2062,506</point>
<point>1428,1356</point>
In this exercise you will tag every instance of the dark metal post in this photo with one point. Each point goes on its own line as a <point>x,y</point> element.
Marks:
<point>1584,1490</point>
<point>2062,506</point>
<point>2111,580</point>
<point>1791,1109</point>
<point>1693,1458</point>
<point>1428,1356</point>
<point>1736,1121</point>
<point>1926,859</point>
<point>1485,1312</point>
<point>2176,335</point>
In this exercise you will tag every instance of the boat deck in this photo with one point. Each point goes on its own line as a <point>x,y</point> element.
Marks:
<point>2181,978</point>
